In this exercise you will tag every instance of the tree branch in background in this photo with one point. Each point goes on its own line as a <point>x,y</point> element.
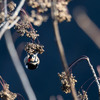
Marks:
<point>87,25</point>
<point>61,49</point>
<point>12,18</point>
<point>18,66</point>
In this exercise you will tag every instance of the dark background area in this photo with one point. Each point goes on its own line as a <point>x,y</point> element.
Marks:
<point>44,80</point>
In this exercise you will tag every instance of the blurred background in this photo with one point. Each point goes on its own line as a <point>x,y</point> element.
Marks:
<point>44,80</point>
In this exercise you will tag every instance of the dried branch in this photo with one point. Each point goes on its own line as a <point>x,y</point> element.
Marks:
<point>95,76</point>
<point>62,54</point>
<point>87,25</point>
<point>13,23</point>
<point>6,25</point>
<point>18,9</point>
<point>61,49</point>
<point>18,66</point>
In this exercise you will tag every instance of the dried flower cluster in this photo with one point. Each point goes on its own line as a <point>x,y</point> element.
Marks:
<point>66,87</point>
<point>42,6</point>
<point>24,27</point>
<point>32,48</point>
<point>11,7</point>
<point>5,93</point>
<point>83,95</point>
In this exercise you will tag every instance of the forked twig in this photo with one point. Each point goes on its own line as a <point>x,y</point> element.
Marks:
<point>6,25</point>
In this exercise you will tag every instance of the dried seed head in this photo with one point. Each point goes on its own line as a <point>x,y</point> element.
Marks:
<point>83,95</point>
<point>38,19</point>
<point>32,48</point>
<point>60,13</point>
<point>66,87</point>
<point>11,6</point>
<point>32,34</point>
<point>2,18</point>
<point>5,93</point>
<point>22,27</point>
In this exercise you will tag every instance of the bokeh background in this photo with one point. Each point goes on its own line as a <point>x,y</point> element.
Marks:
<point>44,80</point>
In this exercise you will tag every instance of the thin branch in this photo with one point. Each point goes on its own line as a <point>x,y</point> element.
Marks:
<point>2,24</point>
<point>5,27</point>
<point>13,23</point>
<point>61,49</point>
<point>62,54</point>
<point>18,66</point>
<point>18,9</point>
<point>5,6</point>
<point>95,76</point>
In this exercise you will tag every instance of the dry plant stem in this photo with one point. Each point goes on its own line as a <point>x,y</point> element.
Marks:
<point>13,23</point>
<point>18,66</point>
<point>18,9</point>
<point>62,54</point>
<point>5,27</point>
<point>95,76</point>
<point>87,25</point>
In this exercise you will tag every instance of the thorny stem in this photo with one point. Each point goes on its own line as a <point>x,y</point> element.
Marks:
<point>61,49</point>
<point>95,76</point>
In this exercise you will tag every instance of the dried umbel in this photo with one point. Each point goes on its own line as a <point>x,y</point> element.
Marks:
<point>5,93</point>
<point>11,6</point>
<point>2,18</point>
<point>66,87</point>
<point>83,95</point>
<point>32,48</point>
<point>41,7</point>
<point>22,27</point>
<point>32,34</point>
<point>37,18</point>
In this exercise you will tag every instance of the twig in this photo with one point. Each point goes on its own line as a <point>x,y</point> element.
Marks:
<point>2,24</point>
<point>95,76</point>
<point>62,54</point>
<point>13,23</point>
<point>5,27</point>
<point>18,9</point>
<point>61,49</point>
<point>18,66</point>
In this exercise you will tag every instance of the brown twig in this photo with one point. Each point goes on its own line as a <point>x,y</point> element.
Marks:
<point>62,54</point>
<point>61,49</point>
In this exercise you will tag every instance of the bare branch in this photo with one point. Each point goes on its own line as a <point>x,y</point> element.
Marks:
<point>13,23</point>
<point>5,27</point>
<point>18,66</point>
<point>18,9</point>
<point>61,49</point>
